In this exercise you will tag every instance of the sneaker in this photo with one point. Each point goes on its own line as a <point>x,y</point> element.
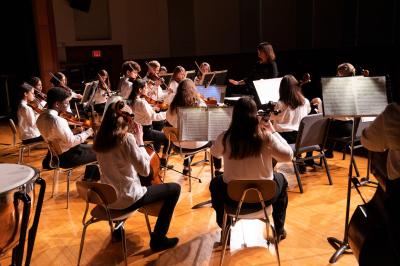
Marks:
<point>162,243</point>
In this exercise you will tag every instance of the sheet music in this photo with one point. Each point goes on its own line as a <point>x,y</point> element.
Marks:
<point>193,123</point>
<point>219,120</point>
<point>267,89</point>
<point>202,124</point>
<point>354,96</point>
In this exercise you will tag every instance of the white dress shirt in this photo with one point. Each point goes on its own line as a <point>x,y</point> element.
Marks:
<point>125,88</point>
<point>384,134</point>
<point>173,85</point>
<point>120,168</point>
<point>56,131</point>
<point>144,113</point>
<point>289,119</point>
<point>254,167</point>
<point>27,121</point>
<point>99,95</point>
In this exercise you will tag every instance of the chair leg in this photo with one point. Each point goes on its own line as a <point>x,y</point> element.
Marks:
<point>21,155</point>
<point>146,216</point>
<point>224,221</point>
<point>228,231</point>
<point>124,245</point>
<point>297,172</point>
<point>29,151</point>
<point>276,244</point>
<point>82,243</point>
<point>55,179</point>
<point>328,173</point>
<point>68,178</point>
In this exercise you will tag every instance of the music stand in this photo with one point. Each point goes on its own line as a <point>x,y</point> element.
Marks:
<point>267,90</point>
<point>87,92</point>
<point>191,74</point>
<point>351,97</point>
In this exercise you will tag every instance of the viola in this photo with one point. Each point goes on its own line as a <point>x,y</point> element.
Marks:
<point>210,101</point>
<point>80,122</point>
<point>160,105</point>
<point>35,105</point>
<point>154,177</point>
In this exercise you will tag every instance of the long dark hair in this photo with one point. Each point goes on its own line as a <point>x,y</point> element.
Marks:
<point>186,95</point>
<point>244,135</point>
<point>290,92</point>
<point>113,128</point>
<point>267,48</point>
<point>136,85</point>
<point>104,73</point>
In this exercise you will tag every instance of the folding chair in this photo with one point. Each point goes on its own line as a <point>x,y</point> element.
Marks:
<point>312,135</point>
<point>360,125</point>
<point>55,165</point>
<point>22,146</point>
<point>249,191</point>
<point>102,195</point>
<point>173,137</point>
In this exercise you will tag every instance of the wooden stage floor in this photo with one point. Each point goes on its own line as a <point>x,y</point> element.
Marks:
<point>311,217</point>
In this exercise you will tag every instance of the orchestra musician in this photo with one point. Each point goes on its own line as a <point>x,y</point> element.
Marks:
<point>178,75</point>
<point>247,148</point>
<point>122,157</point>
<point>36,83</point>
<point>100,91</point>
<point>58,79</point>
<point>130,70</point>
<point>340,126</point>
<point>203,69</point>
<point>383,135</point>
<point>163,70</point>
<point>29,133</point>
<point>145,115</point>
<point>56,131</point>
<point>155,91</point>
<point>186,96</point>
<point>265,68</point>
<point>293,106</point>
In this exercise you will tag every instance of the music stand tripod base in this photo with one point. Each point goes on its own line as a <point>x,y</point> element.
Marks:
<point>340,246</point>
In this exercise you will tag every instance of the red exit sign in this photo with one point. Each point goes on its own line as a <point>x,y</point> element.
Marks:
<point>96,53</point>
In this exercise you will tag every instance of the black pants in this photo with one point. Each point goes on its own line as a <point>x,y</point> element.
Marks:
<point>219,197</point>
<point>188,159</point>
<point>290,136</point>
<point>78,155</point>
<point>338,129</point>
<point>158,137</point>
<point>33,140</point>
<point>169,194</point>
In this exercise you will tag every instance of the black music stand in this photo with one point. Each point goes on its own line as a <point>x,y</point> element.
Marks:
<point>351,97</point>
<point>191,74</point>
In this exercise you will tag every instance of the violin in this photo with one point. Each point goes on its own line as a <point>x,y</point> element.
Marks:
<point>154,176</point>
<point>210,101</point>
<point>35,105</point>
<point>104,86</point>
<point>80,122</point>
<point>155,75</point>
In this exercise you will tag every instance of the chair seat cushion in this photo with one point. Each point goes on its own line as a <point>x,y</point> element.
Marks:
<point>116,215</point>
<point>305,149</point>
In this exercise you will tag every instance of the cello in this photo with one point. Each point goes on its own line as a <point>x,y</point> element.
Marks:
<point>373,231</point>
<point>154,176</point>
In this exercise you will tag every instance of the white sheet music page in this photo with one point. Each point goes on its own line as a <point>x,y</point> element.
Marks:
<point>193,123</point>
<point>353,96</point>
<point>267,89</point>
<point>219,119</point>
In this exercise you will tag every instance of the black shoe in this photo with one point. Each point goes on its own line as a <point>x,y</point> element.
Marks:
<point>281,235</point>
<point>163,164</point>
<point>218,173</point>
<point>162,243</point>
<point>329,154</point>
<point>302,168</point>
<point>117,235</point>
<point>185,171</point>
<point>309,162</point>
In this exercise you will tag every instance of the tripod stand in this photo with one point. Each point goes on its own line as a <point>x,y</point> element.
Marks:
<point>342,246</point>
